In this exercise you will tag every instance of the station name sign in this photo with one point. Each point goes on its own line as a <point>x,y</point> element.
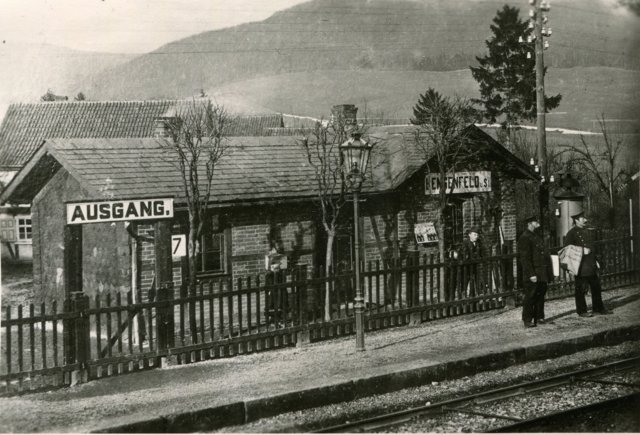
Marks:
<point>114,211</point>
<point>459,182</point>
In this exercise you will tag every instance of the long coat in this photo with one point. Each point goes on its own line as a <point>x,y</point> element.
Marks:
<point>583,238</point>
<point>534,257</point>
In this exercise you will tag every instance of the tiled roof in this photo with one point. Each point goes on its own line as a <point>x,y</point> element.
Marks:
<point>26,126</point>
<point>253,168</point>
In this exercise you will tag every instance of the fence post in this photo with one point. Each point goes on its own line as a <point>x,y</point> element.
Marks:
<point>511,277</point>
<point>68,334</point>
<point>303,336</point>
<point>80,337</point>
<point>164,314</point>
<point>72,284</point>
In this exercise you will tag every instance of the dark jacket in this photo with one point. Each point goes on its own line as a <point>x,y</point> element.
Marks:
<point>534,257</point>
<point>584,238</point>
<point>471,250</point>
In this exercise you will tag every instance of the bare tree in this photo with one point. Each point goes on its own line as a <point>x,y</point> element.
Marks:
<point>321,147</point>
<point>524,146</point>
<point>195,144</point>
<point>442,136</point>
<point>601,162</point>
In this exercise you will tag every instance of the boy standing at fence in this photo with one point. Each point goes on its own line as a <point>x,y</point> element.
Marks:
<point>472,250</point>
<point>587,274</point>
<point>536,272</point>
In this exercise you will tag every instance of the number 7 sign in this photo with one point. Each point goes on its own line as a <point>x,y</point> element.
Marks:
<point>178,245</point>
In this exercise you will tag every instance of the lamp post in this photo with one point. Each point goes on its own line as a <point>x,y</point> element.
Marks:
<point>355,157</point>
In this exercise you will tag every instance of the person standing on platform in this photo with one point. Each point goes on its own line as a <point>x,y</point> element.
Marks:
<point>536,272</point>
<point>582,237</point>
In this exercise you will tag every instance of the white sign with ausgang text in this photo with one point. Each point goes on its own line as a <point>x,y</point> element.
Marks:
<point>114,211</point>
<point>460,182</point>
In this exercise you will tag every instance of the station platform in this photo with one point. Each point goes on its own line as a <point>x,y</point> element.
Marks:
<point>236,390</point>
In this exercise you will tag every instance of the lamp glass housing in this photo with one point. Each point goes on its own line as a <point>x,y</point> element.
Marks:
<point>355,155</point>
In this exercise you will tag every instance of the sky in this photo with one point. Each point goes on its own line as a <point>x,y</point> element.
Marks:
<point>124,26</point>
<point>132,26</point>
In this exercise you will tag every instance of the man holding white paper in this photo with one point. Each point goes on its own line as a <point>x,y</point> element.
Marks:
<point>582,238</point>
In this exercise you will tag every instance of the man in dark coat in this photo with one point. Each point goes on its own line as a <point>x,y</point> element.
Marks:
<point>472,250</point>
<point>472,247</point>
<point>536,273</point>
<point>582,237</point>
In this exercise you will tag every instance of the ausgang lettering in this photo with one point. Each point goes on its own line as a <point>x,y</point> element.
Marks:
<point>92,212</point>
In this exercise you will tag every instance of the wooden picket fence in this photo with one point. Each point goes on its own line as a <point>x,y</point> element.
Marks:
<point>45,347</point>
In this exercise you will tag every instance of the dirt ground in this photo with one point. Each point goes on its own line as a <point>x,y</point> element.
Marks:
<point>17,283</point>
<point>123,399</point>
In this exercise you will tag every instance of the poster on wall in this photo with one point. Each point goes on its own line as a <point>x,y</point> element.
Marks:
<point>426,233</point>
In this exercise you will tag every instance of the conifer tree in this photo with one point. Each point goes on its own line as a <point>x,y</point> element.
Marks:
<point>506,76</point>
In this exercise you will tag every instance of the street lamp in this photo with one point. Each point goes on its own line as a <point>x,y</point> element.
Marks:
<point>355,157</point>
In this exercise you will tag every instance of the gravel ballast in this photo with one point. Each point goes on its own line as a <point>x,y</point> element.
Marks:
<point>308,420</point>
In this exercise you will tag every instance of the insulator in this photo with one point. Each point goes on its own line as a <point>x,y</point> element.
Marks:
<point>529,39</point>
<point>546,44</point>
<point>542,179</point>
<point>545,19</point>
<point>532,13</point>
<point>537,168</point>
<point>531,24</point>
<point>552,179</point>
<point>531,161</point>
<point>528,55</point>
<point>549,31</point>
<point>532,2</point>
<point>557,212</point>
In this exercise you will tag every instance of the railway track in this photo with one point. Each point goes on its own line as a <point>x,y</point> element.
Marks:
<point>500,410</point>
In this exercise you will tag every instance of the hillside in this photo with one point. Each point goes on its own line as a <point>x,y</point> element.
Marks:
<point>364,35</point>
<point>28,70</point>
<point>587,93</point>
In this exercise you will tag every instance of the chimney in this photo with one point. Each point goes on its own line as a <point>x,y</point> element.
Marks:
<point>161,125</point>
<point>345,114</point>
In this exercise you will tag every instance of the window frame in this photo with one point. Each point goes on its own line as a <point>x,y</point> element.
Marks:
<point>215,226</point>
<point>454,224</point>
<point>26,227</point>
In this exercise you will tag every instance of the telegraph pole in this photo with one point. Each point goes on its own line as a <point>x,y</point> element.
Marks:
<point>541,121</point>
<point>538,23</point>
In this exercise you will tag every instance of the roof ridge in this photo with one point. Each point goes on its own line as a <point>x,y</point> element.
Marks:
<point>88,102</point>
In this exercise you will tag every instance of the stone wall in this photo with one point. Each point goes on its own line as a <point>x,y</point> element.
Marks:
<point>106,260</point>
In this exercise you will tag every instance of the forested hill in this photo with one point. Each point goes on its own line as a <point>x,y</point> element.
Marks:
<point>428,35</point>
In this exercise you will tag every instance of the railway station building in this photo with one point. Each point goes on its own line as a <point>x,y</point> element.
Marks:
<point>263,202</point>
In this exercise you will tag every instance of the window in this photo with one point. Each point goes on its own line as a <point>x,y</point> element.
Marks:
<point>7,232</point>
<point>453,225</point>
<point>24,229</point>
<point>213,258</point>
